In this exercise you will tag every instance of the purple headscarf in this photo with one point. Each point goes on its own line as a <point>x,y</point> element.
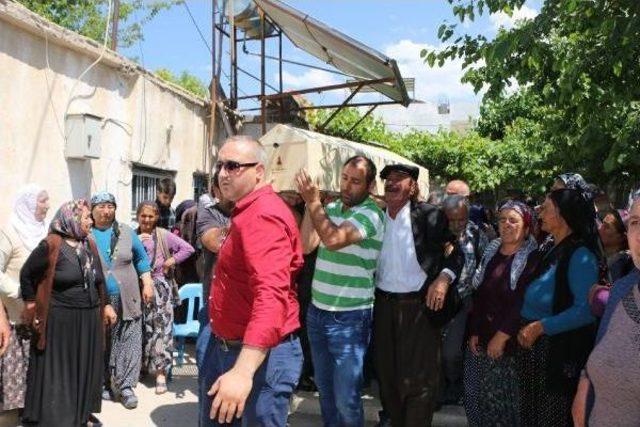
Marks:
<point>521,209</point>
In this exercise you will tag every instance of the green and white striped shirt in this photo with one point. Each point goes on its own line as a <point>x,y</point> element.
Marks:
<point>343,279</point>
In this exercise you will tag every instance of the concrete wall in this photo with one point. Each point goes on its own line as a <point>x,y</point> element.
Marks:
<point>144,120</point>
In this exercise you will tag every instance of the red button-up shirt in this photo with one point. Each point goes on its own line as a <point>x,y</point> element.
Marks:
<point>254,290</point>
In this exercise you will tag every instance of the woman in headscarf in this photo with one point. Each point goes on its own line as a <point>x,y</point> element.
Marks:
<point>63,289</point>
<point>573,181</point>
<point>25,229</point>
<point>125,265</point>
<point>558,328</point>
<point>165,251</point>
<point>491,385</point>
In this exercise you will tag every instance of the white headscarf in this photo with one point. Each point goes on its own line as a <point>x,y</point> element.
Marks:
<point>23,220</point>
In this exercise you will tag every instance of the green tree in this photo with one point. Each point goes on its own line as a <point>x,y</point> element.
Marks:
<point>514,161</point>
<point>186,80</point>
<point>371,129</point>
<point>580,60</point>
<point>89,18</point>
<point>486,164</point>
<point>497,114</point>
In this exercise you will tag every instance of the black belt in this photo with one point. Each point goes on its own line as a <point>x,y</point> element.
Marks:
<point>400,296</point>
<point>237,343</point>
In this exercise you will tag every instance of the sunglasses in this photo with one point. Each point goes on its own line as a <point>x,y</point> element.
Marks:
<point>232,165</point>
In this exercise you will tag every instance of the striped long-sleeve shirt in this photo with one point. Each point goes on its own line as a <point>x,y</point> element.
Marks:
<point>344,279</point>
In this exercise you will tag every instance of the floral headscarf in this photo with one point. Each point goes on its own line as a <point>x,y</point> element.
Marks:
<point>67,223</point>
<point>575,181</point>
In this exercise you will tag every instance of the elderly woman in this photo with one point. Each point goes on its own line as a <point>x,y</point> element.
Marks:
<point>559,329</point>
<point>26,228</point>
<point>165,250</point>
<point>613,371</point>
<point>63,289</point>
<point>125,263</point>
<point>491,385</point>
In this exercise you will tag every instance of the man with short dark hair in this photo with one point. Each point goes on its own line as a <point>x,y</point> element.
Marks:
<point>349,233</point>
<point>165,192</point>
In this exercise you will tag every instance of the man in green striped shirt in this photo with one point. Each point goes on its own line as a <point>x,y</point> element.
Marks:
<point>349,233</point>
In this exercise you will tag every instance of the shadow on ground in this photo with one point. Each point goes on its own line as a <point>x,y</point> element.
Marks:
<point>167,415</point>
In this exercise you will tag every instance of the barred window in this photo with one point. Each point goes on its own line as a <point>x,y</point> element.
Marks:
<point>143,185</point>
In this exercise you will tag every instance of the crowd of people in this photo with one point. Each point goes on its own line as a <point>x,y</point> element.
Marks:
<point>529,316</point>
<point>90,304</point>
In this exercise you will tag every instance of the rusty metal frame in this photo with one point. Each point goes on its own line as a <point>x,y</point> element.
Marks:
<point>337,110</point>
<point>279,94</point>
<point>330,87</point>
<point>352,128</point>
<point>320,107</point>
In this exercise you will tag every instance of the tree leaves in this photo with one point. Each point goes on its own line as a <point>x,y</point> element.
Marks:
<point>513,161</point>
<point>581,61</point>
<point>186,80</point>
<point>89,18</point>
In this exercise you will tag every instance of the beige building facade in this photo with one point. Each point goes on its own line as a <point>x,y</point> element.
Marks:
<point>77,118</point>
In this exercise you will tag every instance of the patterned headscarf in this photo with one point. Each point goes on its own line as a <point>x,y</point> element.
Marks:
<point>521,209</point>
<point>67,223</point>
<point>575,181</point>
<point>23,220</point>
<point>103,197</point>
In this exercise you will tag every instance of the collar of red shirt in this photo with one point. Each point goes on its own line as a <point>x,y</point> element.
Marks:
<point>247,200</point>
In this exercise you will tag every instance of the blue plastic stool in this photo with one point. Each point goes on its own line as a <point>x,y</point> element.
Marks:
<point>190,292</point>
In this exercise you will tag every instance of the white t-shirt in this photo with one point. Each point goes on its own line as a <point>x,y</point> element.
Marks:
<point>398,269</point>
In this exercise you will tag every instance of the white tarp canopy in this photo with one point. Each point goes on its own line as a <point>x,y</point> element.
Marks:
<point>290,149</point>
<point>337,49</point>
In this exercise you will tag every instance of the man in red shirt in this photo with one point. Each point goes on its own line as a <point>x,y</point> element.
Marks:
<point>253,359</point>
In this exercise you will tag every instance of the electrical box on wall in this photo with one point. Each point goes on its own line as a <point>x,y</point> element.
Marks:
<point>82,133</point>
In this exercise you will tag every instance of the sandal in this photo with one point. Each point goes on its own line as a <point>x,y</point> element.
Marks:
<point>161,387</point>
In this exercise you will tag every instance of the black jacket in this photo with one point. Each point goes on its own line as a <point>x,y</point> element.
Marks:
<point>430,234</point>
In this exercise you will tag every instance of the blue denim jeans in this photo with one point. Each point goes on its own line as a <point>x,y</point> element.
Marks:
<point>202,343</point>
<point>339,341</point>
<point>273,383</point>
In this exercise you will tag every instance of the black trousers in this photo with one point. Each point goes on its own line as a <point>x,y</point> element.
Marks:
<point>407,359</point>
